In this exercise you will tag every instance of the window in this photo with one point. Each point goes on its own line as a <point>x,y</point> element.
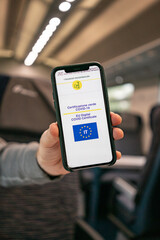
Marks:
<point>120,97</point>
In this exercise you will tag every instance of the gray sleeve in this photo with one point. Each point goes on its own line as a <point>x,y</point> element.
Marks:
<point>18,165</point>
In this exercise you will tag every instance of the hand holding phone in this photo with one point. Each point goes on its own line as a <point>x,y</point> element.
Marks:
<point>83,116</point>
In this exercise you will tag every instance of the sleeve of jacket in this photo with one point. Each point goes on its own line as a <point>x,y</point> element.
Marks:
<point>18,165</point>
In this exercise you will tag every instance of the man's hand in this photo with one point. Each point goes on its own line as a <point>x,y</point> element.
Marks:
<point>117,132</point>
<point>49,154</point>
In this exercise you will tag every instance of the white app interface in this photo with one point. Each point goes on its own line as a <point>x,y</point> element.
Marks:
<point>83,116</point>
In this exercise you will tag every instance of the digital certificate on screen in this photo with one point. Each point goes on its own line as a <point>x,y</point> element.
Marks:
<point>83,116</point>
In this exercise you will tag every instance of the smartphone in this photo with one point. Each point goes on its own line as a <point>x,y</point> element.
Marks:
<point>83,116</point>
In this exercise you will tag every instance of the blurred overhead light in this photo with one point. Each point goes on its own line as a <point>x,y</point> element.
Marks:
<point>54,21</point>
<point>46,34</point>
<point>35,13</point>
<point>84,6</point>
<point>50,28</point>
<point>39,45</point>
<point>42,41</point>
<point>64,6</point>
<point>30,58</point>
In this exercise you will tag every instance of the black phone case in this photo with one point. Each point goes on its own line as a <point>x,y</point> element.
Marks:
<point>72,68</point>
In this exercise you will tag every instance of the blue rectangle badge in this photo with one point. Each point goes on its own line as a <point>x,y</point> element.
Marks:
<point>85,131</point>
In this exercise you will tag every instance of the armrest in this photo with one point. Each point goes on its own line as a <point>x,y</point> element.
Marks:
<point>124,187</point>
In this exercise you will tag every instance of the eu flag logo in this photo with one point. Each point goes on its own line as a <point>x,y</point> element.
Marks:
<point>85,131</point>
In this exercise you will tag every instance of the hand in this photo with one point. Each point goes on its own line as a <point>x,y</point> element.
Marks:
<point>49,154</point>
<point>117,132</point>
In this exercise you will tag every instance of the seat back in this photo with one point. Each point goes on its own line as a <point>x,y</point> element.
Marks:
<point>151,156</point>
<point>26,108</point>
<point>148,208</point>
<point>148,196</point>
<point>132,125</point>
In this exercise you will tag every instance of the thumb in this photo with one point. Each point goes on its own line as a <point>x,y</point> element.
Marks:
<point>51,136</point>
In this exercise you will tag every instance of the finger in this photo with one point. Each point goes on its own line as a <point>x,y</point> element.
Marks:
<point>50,136</point>
<point>54,129</point>
<point>118,154</point>
<point>61,170</point>
<point>115,119</point>
<point>118,133</point>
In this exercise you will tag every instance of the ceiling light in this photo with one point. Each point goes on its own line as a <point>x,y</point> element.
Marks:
<point>39,45</point>
<point>64,6</point>
<point>43,39</point>
<point>47,32</point>
<point>30,58</point>
<point>70,0</point>
<point>54,21</point>
<point>51,28</point>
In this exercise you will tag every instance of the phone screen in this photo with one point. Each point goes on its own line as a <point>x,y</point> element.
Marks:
<point>83,117</point>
